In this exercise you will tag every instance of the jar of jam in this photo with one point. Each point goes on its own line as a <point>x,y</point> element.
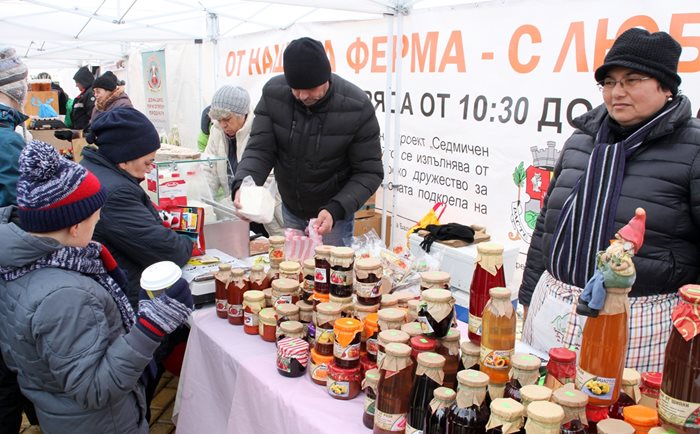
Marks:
<point>290,329</point>
<point>369,386</point>
<point>258,278</point>
<point>346,348</point>
<point>412,308</point>
<point>448,347</point>
<point>285,291</point>
<point>438,410</point>
<point>544,417</point>
<point>525,369</point>
<point>470,355</point>
<point>434,279</point>
<point>343,383</point>
<point>287,312</point>
<point>391,318</point>
<point>291,270</point>
<point>388,300</point>
<point>421,344</point>
<point>368,281</point>
<point>366,364</point>
<point>412,328</point>
<point>595,414</point>
<point>307,289</point>
<point>371,332</point>
<point>561,368</point>
<point>641,418</point>
<point>650,389</point>
<point>342,260</point>
<point>268,297</point>
<point>321,298</point>
<point>629,394</point>
<point>318,371</point>
<point>292,357</point>
<point>574,404</point>
<point>267,326</point>
<point>361,310</point>
<point>470,412</point>
<point>326,315</point>
<point>322,277</point>
<point>437,312</point>
<point>236,288</point>
<point>223,278</point>
<point>533,393</point>
<point>614,426</point>
<point>387,337</point>
<point>253,303</point>
<point>506,414</point>
<point>276,251</point>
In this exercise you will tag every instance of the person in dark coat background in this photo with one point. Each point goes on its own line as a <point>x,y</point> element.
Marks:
<point>320,134</point>
<point>109,94</point>
<point>85,101</point>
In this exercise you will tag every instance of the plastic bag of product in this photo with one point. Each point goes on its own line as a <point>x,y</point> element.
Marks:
<point>257,203</point>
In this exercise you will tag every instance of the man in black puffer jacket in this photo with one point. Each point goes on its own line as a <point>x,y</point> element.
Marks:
<point>320,134</point>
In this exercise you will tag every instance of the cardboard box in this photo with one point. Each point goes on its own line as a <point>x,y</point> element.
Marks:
<point>365,224</point>
<point>48,137</point>
<point>36,98</point>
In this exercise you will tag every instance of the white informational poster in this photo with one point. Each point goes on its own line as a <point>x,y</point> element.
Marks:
<point>155,88</point>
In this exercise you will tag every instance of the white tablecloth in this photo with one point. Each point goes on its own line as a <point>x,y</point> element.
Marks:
<point>230,384</point>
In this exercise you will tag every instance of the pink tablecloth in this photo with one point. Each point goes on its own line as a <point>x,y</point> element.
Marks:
<point>229,384</point>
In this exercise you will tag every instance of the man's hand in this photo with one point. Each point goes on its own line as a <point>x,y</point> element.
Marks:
<point>237,204</point>
<point>324,222</point>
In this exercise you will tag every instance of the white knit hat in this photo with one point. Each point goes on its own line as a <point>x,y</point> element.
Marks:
<point>229,100</point>
<point>13,75</point>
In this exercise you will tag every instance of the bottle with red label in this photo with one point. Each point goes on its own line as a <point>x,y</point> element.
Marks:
<point>222,279</point>
<point>487,274</point>
<point>236,289</point>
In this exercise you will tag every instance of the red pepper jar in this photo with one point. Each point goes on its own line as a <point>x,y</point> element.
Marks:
<point>236,289</point>
<point>650,388</point>
<point>258,278</point>
<point>561,368</point>
<point>223,277</point>
<point>487,274</point>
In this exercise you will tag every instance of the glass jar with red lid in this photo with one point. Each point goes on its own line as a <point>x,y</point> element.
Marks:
<point>343,383</point>
<point>650,389</point>
<point>561,368</point>
<point>292,357</point>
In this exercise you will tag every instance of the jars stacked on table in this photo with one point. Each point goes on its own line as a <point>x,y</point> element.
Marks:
<point>429,376</point>
<point>419,345</point>
<point>471,410</point>
<point>413,328</point>
<point>285,291</point>
<point>389,301</point>
<point>434,279</point>
<point>368,281</point>
<point>290,329</point>
<point>306,316</point>
<point>533,393</point>
<point>292,357</point>
<point>318,371</point>
<point>448,347</point>
<point>487,274</point>
<point>267,324</point>
<point>371,334</point>
<point>470,355</point>
<point>274,272</point>
<point>369,386</point>
<point>362,311</point>
<point>291,270</point>
<point>574,404</point>
<point>343,383</point>
<point>258,279</point>
<point>393,389</point>
<point>643,418</point>
<point>438,410</point>
<point>346,348</point>
<point>322,276</point>
<point>413,306</point>
<point>525,370</point>
<point>307,288</point>
<point>650,388</point>
<point>507,415</point>
<point>342,261</point>
<point>390,318</point>
<point>436,313</point>
<point>326,315</point>
<point>253,303</point>
<point>287,312</point>
<point>236,288</point>
<point>561,368</point>
<point>387,337</point>
<point>223,278</point>
<point>544,418</point>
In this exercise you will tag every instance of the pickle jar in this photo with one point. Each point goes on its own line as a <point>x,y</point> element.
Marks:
<point>437,312</point>
<point>506,414</point>
<point>574,404</point>
<point>326,315</point>
<point>223,278</point>
<point>614,426</point>
<point>391,318</point>
<point>434,279</point>
<point>291,270</point>
<point>387,337</point>
<point>318,370</point>
<point>448,347</point>
<point>287,312</point>
<point>253,303</point>
<point>343,383</point>
<point>371,333</point>
<point>267,326</point>
<point>290,329</point>
<point>292,357</point>
<point>412,308</point>
<point>533,393</point>
<point>276,251</point>
<point>561,368</point>
<point>285,291</point>
<point>322,276</point>
<point>388,300</point>
<point>369,386</point>
<point>412,328</point>
<point>342,260</point>
<point>368,281</point>
<point>258,278</point>
<point>307,289</point>
<point>470,355</point>
<point>346,348</point>
<point>650,389</point>
<point>544,418</point>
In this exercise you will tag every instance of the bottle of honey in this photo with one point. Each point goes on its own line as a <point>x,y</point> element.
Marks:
<point>498,336</point>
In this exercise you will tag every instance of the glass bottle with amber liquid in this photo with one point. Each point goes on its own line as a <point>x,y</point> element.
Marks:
<point>498,338</point>
<point>393,390</point>
<point>487,274</point>
<point>429,376</point>
<point>437,410</point>
<point>471,411</point>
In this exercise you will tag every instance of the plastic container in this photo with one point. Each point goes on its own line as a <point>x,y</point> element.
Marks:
<point>158,277</point>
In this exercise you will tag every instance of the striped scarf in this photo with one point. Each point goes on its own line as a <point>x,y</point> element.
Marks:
<point>587,220</point>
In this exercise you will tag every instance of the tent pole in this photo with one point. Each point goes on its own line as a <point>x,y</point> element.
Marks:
<point>387,124</point>
<point>397,121</point>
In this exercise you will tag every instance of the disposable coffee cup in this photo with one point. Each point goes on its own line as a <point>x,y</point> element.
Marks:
<point>160,276</point>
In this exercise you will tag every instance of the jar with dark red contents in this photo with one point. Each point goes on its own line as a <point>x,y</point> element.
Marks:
<point>366,364</point>
<point>253,303</point>
<point>391,318</point>
<point>290,329</point>
<point>561,368</point>
<point>258,278</point>
<point>285,291</point>
<point>318,371</point>
<point>236,288</point>
<point>292,357</point>
<point>324,321</point>
<point>267,324</point>
<point>346,348</point>
<point>307,289</point>
<point>368,281</point>
<point>437,312</point>
<point>343,383</point>
<point>470,355</point>
<point>369,386</point>
<point>291,270</point>
<point>287,312</point>
<point>574,404</point>
<point>276,251</point>
<point>448,347</point>
<point>387,337</point>
<point>342,260</point>
<point>413,329</point>
<point>223,278</point>
<point>434,279</point>
<point>525,370</point>
<point>420,344</point>
<point>629,393</point>
<point>371,333</point>
<point>595,414</point>
<point>322,276</point>
<point>650,388</point>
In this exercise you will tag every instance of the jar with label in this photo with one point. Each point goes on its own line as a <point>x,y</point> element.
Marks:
<point>258,278</point>
<point>285,291</point>
<point>533,393</point>
<point>488,274</point>
<point>343,383</point>
<point>471,411</point>
<point>421,344</point>
<point>292,357</point>
<point>679,400</point>
<point>437,312</point>
<point>429,376</point>
<point>448,347</point>
<point>267,326</point>
<point>307,289</point>
<point>498,336</point>
<point>412,308</point>
<point>629,395</point>
<point>223,278</point>
<point>614,426</point>
<point>525,370</point>
<point>561,368</point>
<point>470,356</point>
<point>388,300</point>
<point>641,418</point>
<point>434,279</point>
<point>507,416</point>
<point>438,410</point>
<point>326,315</point>
<point>574,404</point>
<point>393,389</point>
<point>322,277</point>
<point>544,418</point>
<point>346,348</point>
<point>276,251</point>
<point>371,333</point>
<point>291,270</point>
<point>318,370</point>
<point>236,288</point>
<point>391,318</point>
<point>253,303</point>
<point>650,389</point>
<point>387,337</point>
<point>368,281</point>
<point>290,329</point>
<point>413,329</point>
<point>369,386</point>
<point>342,261</point>
<point>306,316</point>
<point>287,312</point>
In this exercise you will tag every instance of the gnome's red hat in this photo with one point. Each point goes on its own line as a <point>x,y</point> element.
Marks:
<point>634,230</point>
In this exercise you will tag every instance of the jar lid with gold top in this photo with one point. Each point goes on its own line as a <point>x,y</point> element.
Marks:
<point>435,295</point>
<point>309,266</point>
<point>397,349</point>
<point>452,335</point>
<point>412,328</point>
<point>254,296</point>
<point>431,279</point>
<point>368,264</point>
<point>472,378</point>
<point>631,377</point>
<point>392,336</point>
<point>545,412</point>
<point>293,327</point>
<point>285,285</point>
<point>533,392</point>
<point>615,426</point>
<point>290,267</point>
<point>342,252</point>
<point>328,308</point>
<point>570,397</point>
<point>391,315</point>
<point>499,292</point>
<point>323,252</point>
<point>287,309</point>
<point>431,360</point>
<point>489,248</point>
<point>268,316</point>
<point>507,408</point>
<point>276,240</point>
<point>470,348</point>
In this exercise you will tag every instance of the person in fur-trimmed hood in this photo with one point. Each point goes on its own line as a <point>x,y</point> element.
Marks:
<point>109,94</point>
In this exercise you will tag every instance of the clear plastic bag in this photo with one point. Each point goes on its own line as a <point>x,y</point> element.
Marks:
<point>257,202</point>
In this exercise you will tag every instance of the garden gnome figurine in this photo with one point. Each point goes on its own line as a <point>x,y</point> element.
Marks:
<point>614,266</point>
